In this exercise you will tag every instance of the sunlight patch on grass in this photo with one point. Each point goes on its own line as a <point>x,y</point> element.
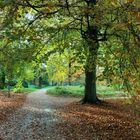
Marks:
<point>75,91</point>
<point>22,90</point>
<point>78,91</point>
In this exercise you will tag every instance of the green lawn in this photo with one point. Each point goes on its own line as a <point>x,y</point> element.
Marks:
<point>22,90</point>
<point>78,91</point>
<point>28,90</point>
<point>66,91</point>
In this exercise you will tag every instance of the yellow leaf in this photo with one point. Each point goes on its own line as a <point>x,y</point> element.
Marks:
<point>130,1</point>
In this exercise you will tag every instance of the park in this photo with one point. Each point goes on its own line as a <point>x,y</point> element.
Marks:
<point>69,70</point>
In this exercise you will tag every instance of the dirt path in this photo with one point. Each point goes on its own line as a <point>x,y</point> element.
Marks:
<point>36,120</point>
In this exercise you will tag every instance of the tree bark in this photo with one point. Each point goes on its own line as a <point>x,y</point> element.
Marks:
<point>90,87</point>
<point>69,73</point>
<point>2,81</point>
<point>40,82</point>
<point>90,74</point>
<point>92,44</point>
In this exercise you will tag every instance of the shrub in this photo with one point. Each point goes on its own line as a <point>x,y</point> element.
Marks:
<point>18,88</point>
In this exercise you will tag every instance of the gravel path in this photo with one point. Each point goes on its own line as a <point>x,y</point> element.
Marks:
<point>36,120</point>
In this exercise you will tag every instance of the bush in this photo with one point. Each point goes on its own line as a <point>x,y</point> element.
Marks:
<point>18,88</point>
<point>12,83</point>
<point>25,84</point>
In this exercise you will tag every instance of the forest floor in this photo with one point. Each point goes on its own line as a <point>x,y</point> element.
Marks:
<point>9,105</point>
<point>43,117</point>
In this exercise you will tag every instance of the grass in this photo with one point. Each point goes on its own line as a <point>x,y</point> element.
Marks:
<point>28,90</point>
<point>109,91</point>
<point>66,91</point>
<point>78,91</point>
<point>22,90</point>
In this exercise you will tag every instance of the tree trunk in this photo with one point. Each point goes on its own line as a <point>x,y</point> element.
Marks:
<point>2,81</point>
<point>69,74</point>
<point>90,87</point>
<point>90,74</point>
<point>40,82</point>
<point>9,90</point>
<point>92,44</point>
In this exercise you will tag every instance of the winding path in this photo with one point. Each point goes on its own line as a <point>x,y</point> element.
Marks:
<point>36,120</point>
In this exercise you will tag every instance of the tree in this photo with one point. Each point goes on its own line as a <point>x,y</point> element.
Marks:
<point>57,68</point>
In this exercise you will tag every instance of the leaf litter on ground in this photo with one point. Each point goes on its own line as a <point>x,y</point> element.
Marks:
<point>8,105</point>
<point>113,120</point>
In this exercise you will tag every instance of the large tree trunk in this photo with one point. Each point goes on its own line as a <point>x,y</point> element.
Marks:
<point>90,86</point>
<point>90,74</point>
<point>92,45</point>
